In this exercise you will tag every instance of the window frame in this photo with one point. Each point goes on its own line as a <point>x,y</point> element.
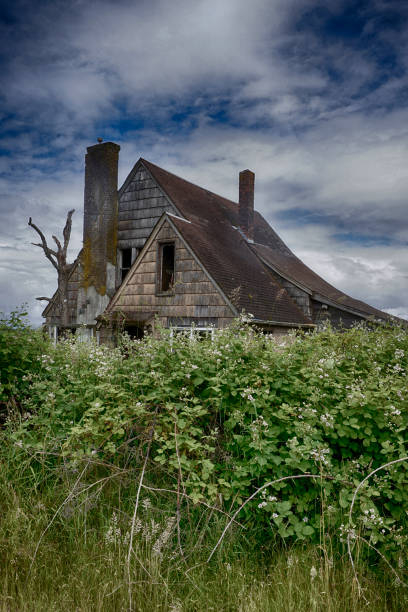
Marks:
<point>122,268</point>
<point>159,268</point>
<point>192,332</point>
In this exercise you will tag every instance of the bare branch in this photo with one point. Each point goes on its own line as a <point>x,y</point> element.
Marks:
<point>44,298</point>
<point>47,251</point>
<point>41,247</point>
<point>57,242</point>
<point>67,230</point>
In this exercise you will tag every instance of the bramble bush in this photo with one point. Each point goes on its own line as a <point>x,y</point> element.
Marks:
<point>223,416</point>
<point>20,346</point>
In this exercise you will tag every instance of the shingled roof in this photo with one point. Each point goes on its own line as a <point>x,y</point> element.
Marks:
<point>226,253</point>
<point>238,272</point>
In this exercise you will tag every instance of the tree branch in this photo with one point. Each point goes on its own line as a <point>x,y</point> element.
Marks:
<point>57,242</point>
<point>47,251</point>
<point>41,247</point>
<point>67,230</point>
<point>44,298</point>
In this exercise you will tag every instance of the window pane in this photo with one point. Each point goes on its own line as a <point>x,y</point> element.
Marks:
<point>167,267</point>
<point>126,262</point>
<point>126,258</point>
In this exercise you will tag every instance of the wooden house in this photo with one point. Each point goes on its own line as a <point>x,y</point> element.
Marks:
<point>161,250</point>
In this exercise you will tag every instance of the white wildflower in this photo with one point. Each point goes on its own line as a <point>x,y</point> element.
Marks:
<point>164,537</point>
<point>146,503</point>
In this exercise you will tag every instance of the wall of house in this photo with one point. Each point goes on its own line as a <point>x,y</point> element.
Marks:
<point>141,205</point>
<point>336,317</point>
<point>193,295</point>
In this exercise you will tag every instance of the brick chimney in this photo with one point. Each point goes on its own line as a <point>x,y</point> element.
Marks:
<point>246,203</point>
<point>100,218</point>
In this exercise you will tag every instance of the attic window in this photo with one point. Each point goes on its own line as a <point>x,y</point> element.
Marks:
<point>126,262</point>
<point>166,267</point>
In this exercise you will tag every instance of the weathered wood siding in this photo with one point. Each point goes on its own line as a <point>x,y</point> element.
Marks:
<point>140,207</point>
<point>193,294</point>
<point>53,314</point>
<point>336,317</point>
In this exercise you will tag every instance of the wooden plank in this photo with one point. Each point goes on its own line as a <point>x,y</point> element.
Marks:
<point>148,267</point>
<point>147,212</point>
<point>166,233</point>
<point>132,242</point>
<point>193,276</point>
<point>134,233</point>
<point>194,288</point>
<point>147,278</point>
<point>135,224</point>
<point>145,186</point>
<point>145,289</point>
<point>150,255</point>
<point>145,204</point>
<point>186,265</point>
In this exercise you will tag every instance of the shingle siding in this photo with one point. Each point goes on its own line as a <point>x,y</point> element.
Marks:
<point>141,205</point>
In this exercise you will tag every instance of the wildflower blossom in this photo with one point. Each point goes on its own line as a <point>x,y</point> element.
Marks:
<point>313,572</point>
<point>164,537</point>
<point>319,455</point>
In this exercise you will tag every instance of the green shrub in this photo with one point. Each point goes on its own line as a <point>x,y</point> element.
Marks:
<point>20,348</point>
<point>227,415</point>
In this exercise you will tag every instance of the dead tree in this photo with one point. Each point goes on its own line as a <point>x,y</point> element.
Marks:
<point>58,259</point>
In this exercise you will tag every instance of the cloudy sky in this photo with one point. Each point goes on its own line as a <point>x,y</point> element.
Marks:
<point>311,95</point>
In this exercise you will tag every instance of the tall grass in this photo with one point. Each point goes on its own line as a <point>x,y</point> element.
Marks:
<point>80,563</point>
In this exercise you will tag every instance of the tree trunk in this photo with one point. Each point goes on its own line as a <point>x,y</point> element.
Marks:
<point>58,259</point>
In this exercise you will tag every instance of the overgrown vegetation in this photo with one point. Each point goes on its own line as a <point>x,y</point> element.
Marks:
<point>121,469</point>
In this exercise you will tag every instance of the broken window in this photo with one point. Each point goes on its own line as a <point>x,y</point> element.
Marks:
<point>126,262</point>
<point>167,252</point>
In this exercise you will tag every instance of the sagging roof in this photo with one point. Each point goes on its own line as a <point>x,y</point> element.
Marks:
<point>292,268</point>
<point>215,217</point>
<point>238,272</point>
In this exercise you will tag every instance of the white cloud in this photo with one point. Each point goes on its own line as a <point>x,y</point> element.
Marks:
<point>333,147</point>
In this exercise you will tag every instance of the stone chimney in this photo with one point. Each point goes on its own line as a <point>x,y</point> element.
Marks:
<point>100,218</point>
<point>246,203</point>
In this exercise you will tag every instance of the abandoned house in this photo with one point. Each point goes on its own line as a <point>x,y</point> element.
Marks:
<point>163,250</point>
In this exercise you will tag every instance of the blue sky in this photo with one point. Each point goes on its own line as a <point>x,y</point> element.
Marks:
<point>312,96</point>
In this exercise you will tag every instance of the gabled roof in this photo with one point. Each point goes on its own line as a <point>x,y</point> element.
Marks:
<point>214,218</point>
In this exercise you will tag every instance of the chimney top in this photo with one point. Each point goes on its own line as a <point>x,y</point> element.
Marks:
<point>246,203</point>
